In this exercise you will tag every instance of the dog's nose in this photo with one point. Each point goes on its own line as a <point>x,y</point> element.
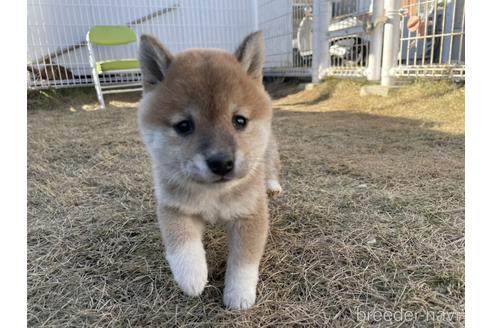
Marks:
<point>220,163</point>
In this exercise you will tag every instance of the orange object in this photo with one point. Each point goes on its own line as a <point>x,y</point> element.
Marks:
<point>413,23</point>
<point>410,6</point>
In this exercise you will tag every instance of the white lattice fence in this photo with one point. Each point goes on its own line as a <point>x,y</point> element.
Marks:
<point>287,27</point>
<point>432,41</point>
<point>302,37</point>
<point>57,52</point>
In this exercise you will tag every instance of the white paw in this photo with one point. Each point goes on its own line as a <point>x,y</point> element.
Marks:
<point>189,267</point>
<point>240,299</point>
<point>240,288</point>
<point>273,187</point>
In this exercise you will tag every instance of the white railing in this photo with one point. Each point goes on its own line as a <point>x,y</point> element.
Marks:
<point>287,28</point>
<point>432,39</point>
<point>57,53</point>
<point>389,40</point>
<point>375,39</point>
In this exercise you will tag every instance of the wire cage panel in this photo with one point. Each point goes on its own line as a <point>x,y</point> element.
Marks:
<point>57,51</point>
<point>287,28</point>
<point>432,42</point>
<point>349,37</point>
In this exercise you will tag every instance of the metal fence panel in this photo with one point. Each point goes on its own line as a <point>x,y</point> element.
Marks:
<point>349,37</point>
<point>432,42</point>
<point>57,52</point>
<point>287,27</point>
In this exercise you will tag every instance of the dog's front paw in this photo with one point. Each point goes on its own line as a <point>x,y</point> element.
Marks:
<point>240,298</point>
<point>189,267</point>
<point>273,188</point>
<point>240,287</point>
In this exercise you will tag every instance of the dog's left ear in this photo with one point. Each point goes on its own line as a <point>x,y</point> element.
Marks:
<point>251,54</point>
<point>154,60</point>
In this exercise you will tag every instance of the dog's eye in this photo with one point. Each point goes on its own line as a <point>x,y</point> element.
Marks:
<point>185,127</point>
<point>239,122</point>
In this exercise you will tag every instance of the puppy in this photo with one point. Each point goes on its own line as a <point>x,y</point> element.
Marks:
<point>205,119</point>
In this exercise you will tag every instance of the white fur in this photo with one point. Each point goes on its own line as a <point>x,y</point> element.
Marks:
<point>240,286</point>
<point>189,267</point>
<point>211,204</point>
<point>273,187</point>
<point>200,165</point>
<point>155,142</point>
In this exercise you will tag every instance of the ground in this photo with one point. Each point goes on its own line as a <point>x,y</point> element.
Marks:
<point>372,217</point>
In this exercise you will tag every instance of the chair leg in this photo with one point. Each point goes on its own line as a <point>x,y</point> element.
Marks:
<point>97,85</point>
<point>95,74</point>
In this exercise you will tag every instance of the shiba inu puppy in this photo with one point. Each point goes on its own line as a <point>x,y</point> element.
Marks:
<point>205,119</point>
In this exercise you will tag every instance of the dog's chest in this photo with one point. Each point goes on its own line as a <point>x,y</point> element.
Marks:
<point>212,205</point>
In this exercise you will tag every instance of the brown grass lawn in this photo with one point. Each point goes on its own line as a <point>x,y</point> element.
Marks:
<point>372,217</point>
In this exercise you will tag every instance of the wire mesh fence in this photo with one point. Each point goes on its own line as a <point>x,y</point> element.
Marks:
<point>287,28</point>
<point>431,42</point>
<point>57,51</point>
<point>349,37</point>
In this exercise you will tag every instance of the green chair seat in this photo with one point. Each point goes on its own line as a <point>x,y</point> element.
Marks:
<point>111,35</point>
<point>116,65</point>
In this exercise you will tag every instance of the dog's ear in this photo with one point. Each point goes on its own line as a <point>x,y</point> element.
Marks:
<point>251,54</point>
<point>154,61</point>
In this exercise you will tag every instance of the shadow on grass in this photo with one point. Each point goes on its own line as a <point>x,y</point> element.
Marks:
<point>325,94</point>
<point>78,99</point>
<point>329,89</point>
<point>343,137</point>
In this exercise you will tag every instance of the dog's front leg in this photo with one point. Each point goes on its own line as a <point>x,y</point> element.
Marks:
<point>272,168</point>
<point>247,237</point>
<point>182,236</point>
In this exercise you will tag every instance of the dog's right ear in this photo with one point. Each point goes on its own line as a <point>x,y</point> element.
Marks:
<point>251,54</point>
<point>154,61</point>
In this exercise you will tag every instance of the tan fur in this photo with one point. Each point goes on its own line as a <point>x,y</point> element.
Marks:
<point>210,87</point>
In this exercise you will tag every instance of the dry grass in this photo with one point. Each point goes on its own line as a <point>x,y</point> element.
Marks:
<point>372,217</point>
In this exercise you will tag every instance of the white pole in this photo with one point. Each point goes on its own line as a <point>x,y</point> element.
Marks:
<point>321,20</point>
<point>254,4</point>
<point>391,41</point>
<point>95,74</point>
<point>376,45</point>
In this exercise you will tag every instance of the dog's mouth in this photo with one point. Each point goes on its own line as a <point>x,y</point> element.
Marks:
<point>215,181</point>
<point>207,178</point>
<point>221,180</point>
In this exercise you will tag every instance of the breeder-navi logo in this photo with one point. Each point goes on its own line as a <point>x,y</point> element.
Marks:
<point>401,315</point>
